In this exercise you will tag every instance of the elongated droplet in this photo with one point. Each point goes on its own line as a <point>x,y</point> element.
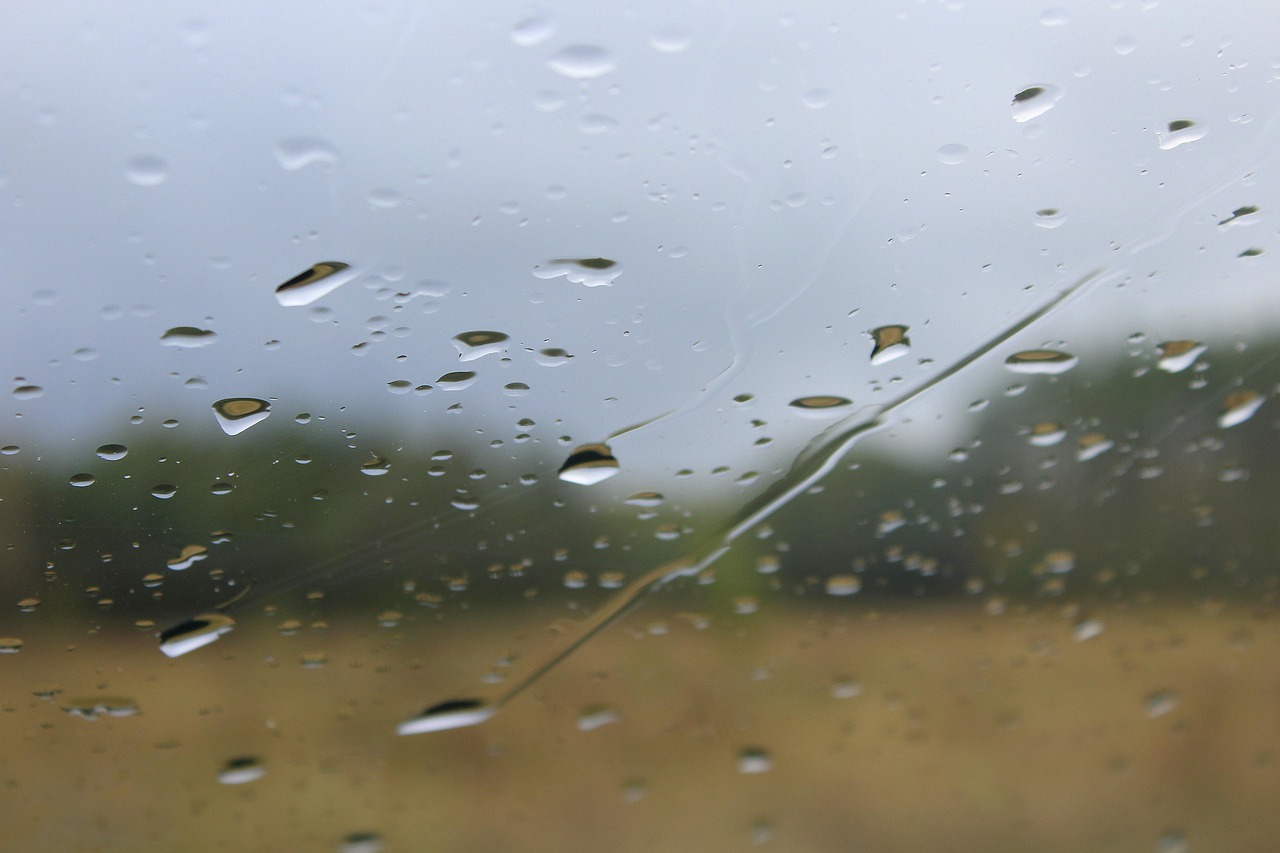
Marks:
<point>454,714</point>
<point>1035,101</point>
<point>589,464</point>
<point>1092,445</point>
<point>188,337</point>
<point>239,771</point>
<point>582,62</point>
<point>1239,407</point>
<point>591,272</point>
<point>1177,356</point>
<point>1041,361</point>
<point>821,405</point>
<point>237,414</point>
<point>311,284</point>
<point>1241,216</point>
<point>473,345</point>
<point>890,342</point>
<point>194,633</point>
<point>1180,131</point>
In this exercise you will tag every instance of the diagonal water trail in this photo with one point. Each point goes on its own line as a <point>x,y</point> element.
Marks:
<point>823,453</point>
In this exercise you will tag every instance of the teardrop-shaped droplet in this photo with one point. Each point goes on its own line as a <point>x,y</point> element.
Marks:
<point>237,414</point>
<point>589,464</point>
<point>1239,407</point>
<point>1177,356</point>
<point>453,714</point>
<point>311,284</point>
<point>1041,361</point>
<point>473,345</point>
<point>890,342</point>
<point>194,633</point>
<point>1035,101</point>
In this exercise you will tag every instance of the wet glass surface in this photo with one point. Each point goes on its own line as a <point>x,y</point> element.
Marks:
<point>657,427</point>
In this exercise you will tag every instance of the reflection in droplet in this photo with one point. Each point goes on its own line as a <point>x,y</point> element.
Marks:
<point>582,62</point>
<point>453,714</point>
<point>1180,131</point>
<point>1045,361</point>
<point>311,284</point>
<point>112,452</point>
<point>237,414</point>
<point>147,171</point>
<point>1035,101</point>
<point>821,405</point>
<point>953,154</point>
<point>592,272</point>
<point>589,464</point>
<point>298,152</point>
<point>1177,356</point>
<point>1239,407</point>
<point>239,771</point>
<point>473,345</point>
<point>194,633</point>
<point>188,337</point>
<point>890,342</point>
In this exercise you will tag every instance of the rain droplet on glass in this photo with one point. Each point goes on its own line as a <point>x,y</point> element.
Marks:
<point>237,414</point>
<point>311,284</point>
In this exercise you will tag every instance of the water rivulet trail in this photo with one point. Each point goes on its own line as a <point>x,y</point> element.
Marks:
<point>819,457</point>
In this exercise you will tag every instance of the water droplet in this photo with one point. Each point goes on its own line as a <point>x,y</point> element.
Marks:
<point>816,99</point>
<point>843,584</point>
<point>100,706</point>
<point>592,272</point>
<point>1177,356</point>
<point>361,842</point>
<point>890,342</point>
<point>1160,703</point>
<point>1173,842</point>
<point>591,719</point>
<point>239,771</point>
<point>1240,216</point>
<point>1087,630</point>
<point>82,480</point>
<point>375,467</point>
<point>10,645</point>
<point>194,633</point>
<point>188,337</point>
<point>311,284</point>
<point>237,414</point>
<point>164,491</point>
<point>147,171</point>
<point>552,357</point>
<point>1092,445</point>
<point>473,345</point>
<point>400,386</point>
<point>298,152</point>
<point>582,62</point>
<point>190,555</point>
<point>1180,131</point>
<point>754,760</point>
<point>670,40</point>
<point>589,464</point>
<point>533,30</point>
<point>457,380</point>
<point>1239,407</point>
<point>1050,217</point>
<point>1045,361</point>
<point>112,452</point>
<point>28,605</point>
<point>453,714</point>
<point>953,154</point>
<point>821,405</point>
<point>1046,434</point>
<point>28,392</point>
<point>648,500</point>
<point>1055,16</point>
<point>515,389</point>
<point>1035,101</point>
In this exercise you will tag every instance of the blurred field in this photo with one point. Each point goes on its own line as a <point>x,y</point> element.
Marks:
<point>969,732</point>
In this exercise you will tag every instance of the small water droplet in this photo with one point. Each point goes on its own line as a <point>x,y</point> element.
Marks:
<point>10,645</point>
<point>890,342</point>
<point>82,480</point>
<point>1180,131</point>
<point>1177,356</point>
<point>473,345</point>
<point>591,719</point>
<point>147,171</point>
<point>375,467</point>
<point>194,633</point>
<point>28,392</point>
<point>670,40</point>
<point>361,842</point>
<point>816,99</point>
<point>1239,407</point>
<point>592,272</point>
<point>953,154</point>
<point>1160,703</point>
<point>552,357</point>
<point>754,760</point>
<point>453,714</point>
<point>298,152</point>
<point>1035,101</point>
<point>237,414</point>
<point>533,30</point>
<point>190,555</point>
<point>843,584</point>
<point>112,452</point>
<point>1043,361</point>
<point>164,491</point>
<point>188,336</point>
<point>1050,217</point>
<point>1046,434</point>
<point>648,500</point>
<point>242,770</point>
<point>311,284</point>
<point>589,464</point>
<point>821,405</point>
<point>582,62</point>
<point>1087,630</point>
<point>1092,445</point>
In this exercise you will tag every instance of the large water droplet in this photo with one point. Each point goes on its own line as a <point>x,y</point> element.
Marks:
<point>375,467</point>
<point>473,345</point>
<point>890,342</point>
<point>1045,361</point>
<point>1239,407</point>
<point>298,152</point>
<point>194,633</point>
<point>1180,131</point>
<point>239,771</point>
<point>1177,356</point>
<point>188,337</point>
<point>190,555</point>
<point>28,392</point>
<point>82,480</point>
<point>592,272</point>
<point>453,714</point>
<point>1035,101</point>
<point>589,464</point>
<point>311,284</point>
<point>821,405</point>
<point>457,380</point>
<point>147,171</point>
<point>237,414</point>
<point>112,452</point>
<point>953,154</point>
<point>582,62</point>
